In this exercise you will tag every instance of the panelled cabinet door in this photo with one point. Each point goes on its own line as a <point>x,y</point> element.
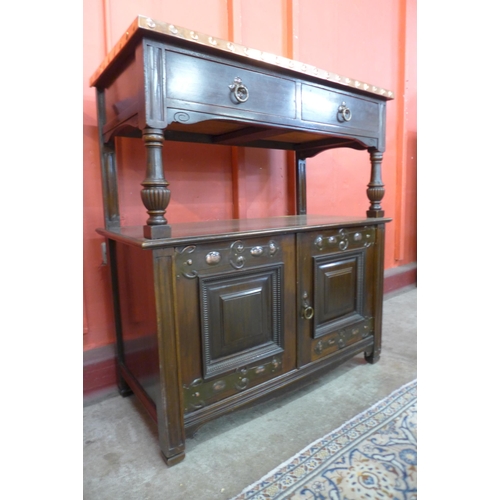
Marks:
<point>335,298</point>
<point>235,314</point>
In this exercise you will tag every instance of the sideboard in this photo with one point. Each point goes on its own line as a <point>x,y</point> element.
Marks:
<point>217,315</point>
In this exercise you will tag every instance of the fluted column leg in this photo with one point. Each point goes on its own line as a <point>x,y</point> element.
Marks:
<point>375,189</point>
<point>155,194</point>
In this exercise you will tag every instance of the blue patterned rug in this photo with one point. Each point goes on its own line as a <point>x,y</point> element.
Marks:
<point>371,457</point>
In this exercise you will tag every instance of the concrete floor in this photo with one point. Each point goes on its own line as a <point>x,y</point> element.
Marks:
<point>121,456</point>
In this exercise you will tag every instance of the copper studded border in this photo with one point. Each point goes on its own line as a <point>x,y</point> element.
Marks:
<point>147,23</point>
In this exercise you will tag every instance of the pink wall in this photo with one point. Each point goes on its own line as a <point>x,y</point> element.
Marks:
<point>370,41</point>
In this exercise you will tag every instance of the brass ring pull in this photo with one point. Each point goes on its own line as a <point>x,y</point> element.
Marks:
<point>240,92</point>
<point>308,312</point>
<point>345,112</point>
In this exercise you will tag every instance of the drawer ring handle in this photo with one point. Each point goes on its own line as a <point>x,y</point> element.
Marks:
<point>308,312</point>
<point>240,91</point>
<point>345,112</point>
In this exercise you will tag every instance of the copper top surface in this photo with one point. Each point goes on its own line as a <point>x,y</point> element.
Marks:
<point>171,30</point>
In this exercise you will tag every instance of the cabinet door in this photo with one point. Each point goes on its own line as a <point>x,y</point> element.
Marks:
<point>235,313</point>
<point>335,293</point>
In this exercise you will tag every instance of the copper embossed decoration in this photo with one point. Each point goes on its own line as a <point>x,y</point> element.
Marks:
<point>344,239</point>
<point>213,258</point>
<point>186,265</point>
<point>199,393</point>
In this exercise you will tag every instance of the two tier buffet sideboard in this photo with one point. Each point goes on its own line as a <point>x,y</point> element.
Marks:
<point>211,317</point>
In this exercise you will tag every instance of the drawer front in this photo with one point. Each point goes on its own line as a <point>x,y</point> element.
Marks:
<point>350,112</point>
<point>207,83</point>
<point>235,304</point>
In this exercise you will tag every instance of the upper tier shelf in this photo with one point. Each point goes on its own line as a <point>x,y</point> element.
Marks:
<point>199,88</point>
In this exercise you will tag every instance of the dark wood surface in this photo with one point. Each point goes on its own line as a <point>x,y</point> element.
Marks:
<point>184,233</point>
<point>239,315</point>
<point>337,269</point>
<point>211,316</point>
<point>187,94</point>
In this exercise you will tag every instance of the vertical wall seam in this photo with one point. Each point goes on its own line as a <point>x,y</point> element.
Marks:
<point>230,20</point>
<point>85,315</point>
<point>106,12</point>
<point>235,188</point>
<point>234,151</point>
<point>401,136</point>
<point>288,14</point>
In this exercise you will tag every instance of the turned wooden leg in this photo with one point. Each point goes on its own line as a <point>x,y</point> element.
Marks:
<point>155,194</point>
<point>375,189</point>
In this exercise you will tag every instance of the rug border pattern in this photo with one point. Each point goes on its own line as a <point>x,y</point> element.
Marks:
<point>332,444</point>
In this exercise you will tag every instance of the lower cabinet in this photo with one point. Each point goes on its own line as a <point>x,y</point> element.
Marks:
<point>211,324</point>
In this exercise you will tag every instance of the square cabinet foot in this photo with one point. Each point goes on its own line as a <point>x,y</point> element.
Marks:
<point>372,357</point>
<point>174,460</point>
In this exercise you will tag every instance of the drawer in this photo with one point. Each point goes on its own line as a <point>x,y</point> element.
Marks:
<point>330,107</point>
<point>205,83</point>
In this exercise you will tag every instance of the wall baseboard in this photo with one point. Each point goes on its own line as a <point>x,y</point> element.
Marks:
<point>99,374</point>
<point>99,365</point>
<point>400,277</point>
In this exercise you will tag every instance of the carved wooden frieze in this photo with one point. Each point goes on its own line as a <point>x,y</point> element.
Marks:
<point>201,392</point>
<point>344,239</point>
<point>343,337</point>
<point>190,261</point>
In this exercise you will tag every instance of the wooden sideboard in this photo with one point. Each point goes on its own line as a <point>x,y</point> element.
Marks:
<point>211,317</point>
